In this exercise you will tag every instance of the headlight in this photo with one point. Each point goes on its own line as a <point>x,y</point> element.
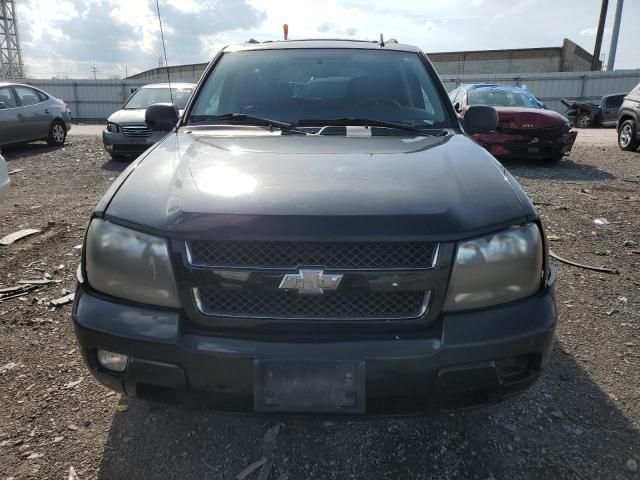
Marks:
<point>113,127</point>
<point>129,265</point>
<point>497,268</point>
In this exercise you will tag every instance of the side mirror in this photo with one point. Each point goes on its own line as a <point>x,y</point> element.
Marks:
<point>161,117</point>
<point>480,119</point>
<point>456,107</point>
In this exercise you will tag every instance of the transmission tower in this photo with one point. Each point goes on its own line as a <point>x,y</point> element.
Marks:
<point>11,65</point>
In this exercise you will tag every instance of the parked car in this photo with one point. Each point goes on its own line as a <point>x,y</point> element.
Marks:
<point>585,115</point>
<point>28,113</point>
<point>629,121</point>
<point>317,234</point>
<point>526,129</point>
<point>4,178</point>
<point>126,134</point>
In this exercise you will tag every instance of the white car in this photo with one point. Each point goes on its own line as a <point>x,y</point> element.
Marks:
<point>4,178</point>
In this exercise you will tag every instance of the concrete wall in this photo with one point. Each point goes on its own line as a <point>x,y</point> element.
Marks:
<point>503,61</point>
<point>96,100</point>
<point>568,58</point>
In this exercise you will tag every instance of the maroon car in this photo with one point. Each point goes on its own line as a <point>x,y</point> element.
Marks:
<point>526,129</point>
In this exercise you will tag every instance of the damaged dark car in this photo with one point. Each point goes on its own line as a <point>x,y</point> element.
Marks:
<point>587,115</point>
<point>526,128</point>
<point>317,234</point>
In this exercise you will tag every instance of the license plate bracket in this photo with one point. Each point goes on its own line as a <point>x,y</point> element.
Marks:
<point>309,386</point>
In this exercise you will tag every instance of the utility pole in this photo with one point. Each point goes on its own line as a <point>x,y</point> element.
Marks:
<point>11,65</point>
<point>596,51</point>
<point>614,36</point>
<point>94,73</point>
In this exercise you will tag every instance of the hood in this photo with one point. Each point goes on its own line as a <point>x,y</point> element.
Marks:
<point>525,118</point>
<point>286,186</point>
<point>134,116</point>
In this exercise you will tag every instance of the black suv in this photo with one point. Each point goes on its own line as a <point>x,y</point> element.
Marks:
<point>629,121</point>
<point>317,233</point>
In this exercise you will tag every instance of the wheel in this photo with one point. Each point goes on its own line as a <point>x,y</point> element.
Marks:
<point>583,121</point>
<point>627,137</point>
<point>57,134</point>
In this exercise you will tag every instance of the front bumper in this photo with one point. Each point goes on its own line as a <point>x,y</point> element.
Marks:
<point>120,144</point>
<point>66,116</point>
<point>533,145</point>
<point>462,360</point>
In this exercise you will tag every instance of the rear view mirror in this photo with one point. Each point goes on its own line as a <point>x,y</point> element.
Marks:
<point>161,117</point>
<point>480,119</point>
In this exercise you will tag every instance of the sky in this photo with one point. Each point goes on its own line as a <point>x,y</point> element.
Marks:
<point>66,38</point>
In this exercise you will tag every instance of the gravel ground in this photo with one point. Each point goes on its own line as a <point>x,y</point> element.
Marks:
<point>580,421</point>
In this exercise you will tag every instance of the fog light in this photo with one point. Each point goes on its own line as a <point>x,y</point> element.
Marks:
<point>115,362</point>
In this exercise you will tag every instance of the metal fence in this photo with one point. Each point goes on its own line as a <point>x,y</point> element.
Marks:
<point>89,99</point>
<point>96,100</point>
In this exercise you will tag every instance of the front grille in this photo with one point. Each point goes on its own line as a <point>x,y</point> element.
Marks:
<point>330,306</point>
<point>136,131</point>
<point>330,255</point>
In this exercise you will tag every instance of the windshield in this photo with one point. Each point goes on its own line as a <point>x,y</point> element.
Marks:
<point>497,97</point>
<point>291,85</point>
<point>148,96</point>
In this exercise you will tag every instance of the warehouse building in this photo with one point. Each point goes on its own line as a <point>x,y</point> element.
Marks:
<point>570,57</point>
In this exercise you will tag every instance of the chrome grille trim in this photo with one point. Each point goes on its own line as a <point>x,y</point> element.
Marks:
<point>431,265</point>
<point>424,308</point>
<point>136,131</point>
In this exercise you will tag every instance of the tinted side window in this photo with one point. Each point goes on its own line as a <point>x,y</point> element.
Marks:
<point>614,101</point>
<point>7,100</point>
<point>27,96</point>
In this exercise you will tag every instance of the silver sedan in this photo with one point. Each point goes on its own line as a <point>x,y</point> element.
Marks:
<point>27,114</point>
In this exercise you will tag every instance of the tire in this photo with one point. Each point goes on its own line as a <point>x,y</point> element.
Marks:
<point>628,136</point>
<point>57,134</point>
<point>583,121</point>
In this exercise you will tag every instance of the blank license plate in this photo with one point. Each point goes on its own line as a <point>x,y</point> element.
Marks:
<point>309,387</point>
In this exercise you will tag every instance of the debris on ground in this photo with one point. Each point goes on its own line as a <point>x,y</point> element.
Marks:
<point>265,471</point>
<point>632,465</point>
<point>601,221</point>
<point>17,170</point>
<point>123,404</point>
<point>7,367</point>
<point>251,468</point>
<point>62,300</point>
<point>72,474</point>
<point>75,383</point>
<point>20,234</point>
<point>18,291</point>
<point>580,265</point>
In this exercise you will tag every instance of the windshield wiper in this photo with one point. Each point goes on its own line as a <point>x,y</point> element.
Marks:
<point>244,119</point>
<point>370,122</point>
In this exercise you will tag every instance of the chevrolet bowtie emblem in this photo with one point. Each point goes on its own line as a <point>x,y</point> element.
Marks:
<point>311,281</point>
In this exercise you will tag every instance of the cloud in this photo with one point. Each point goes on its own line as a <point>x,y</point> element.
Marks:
<point>115,33</point>
<point>329,27</point>
<point>67,37</point>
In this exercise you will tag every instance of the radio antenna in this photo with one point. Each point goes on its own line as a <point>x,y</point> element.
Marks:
<point>164,48</point>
